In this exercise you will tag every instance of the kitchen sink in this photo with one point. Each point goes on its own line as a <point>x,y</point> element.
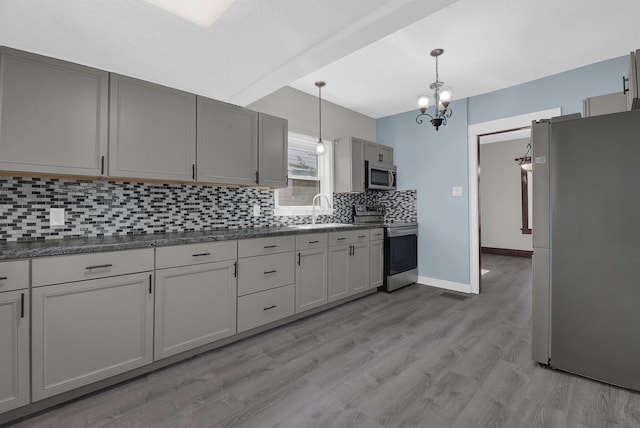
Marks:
<point>320,225</point>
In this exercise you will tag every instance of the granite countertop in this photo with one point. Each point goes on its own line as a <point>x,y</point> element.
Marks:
<point>58,247</point>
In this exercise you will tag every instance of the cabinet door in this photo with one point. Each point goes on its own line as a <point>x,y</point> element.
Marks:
<point>195,305</point>
<point>339,277</point>
<point>14,349</point>
<point>152,131</point>
<point>227,149</point>
<point>348,158</point>
<point>87,331</point>
<point>53,117</point>
<point>359,268</point>
<point>273,141</point>
<point>376,263</point>
<point>371,152</point>
<point>385,154</point>
<point>311,279</point>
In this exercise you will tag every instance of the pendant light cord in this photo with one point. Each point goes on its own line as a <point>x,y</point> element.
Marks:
<point>320,113</point>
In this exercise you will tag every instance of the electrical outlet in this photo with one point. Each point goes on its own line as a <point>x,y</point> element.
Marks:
<point>56,217</point>
<point>456,191</point>
<point>256,210</point>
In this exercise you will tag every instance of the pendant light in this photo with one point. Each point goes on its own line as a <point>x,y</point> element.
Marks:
<point>320,149</point>
<point>441,98</point>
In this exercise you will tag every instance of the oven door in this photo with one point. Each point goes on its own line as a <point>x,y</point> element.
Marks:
<point>401,250</point>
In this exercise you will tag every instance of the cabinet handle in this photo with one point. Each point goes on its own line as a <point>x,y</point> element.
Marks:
<point>102,165</point>
<point>270,307</point>
<point>362,236</point>
<point>299,255</point>
<point>257,177</point>
<point>193,171</point>
<point>270,271</point>
<point>380,158</point>
<point>341,239</point>
<point>313,242</point>
<point>235,269</point>
<point>201,254</point>
<point>21,305</point>
<point>150,284</point>
<point>99,266</point>
<point>2,278</point>
<point>270,246</point>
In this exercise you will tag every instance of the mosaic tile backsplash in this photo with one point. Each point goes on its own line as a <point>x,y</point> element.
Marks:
<point>105,208</point>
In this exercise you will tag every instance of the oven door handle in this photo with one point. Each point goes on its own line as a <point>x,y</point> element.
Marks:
<point>392,232</point>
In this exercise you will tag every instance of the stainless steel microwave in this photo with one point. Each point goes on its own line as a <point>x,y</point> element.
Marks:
<point>380,176</point>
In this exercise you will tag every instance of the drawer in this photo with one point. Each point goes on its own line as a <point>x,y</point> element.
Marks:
<point>311,240</point>
<point>56,270</point>
<point>14,275</point>
<point>267,306</point>
<point>376,234</point>
<point>265,272</point>
<point>261,246</point>
<point>193,254</point>
<point>348,237</point>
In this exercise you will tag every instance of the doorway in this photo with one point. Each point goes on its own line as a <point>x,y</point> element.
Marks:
<point>474,131</point>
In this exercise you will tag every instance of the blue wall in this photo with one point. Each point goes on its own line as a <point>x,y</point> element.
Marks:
<point>433,162</point>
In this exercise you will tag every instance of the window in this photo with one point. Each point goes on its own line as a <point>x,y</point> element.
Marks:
<point>309,174</point>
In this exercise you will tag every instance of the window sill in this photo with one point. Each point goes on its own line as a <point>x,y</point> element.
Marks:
<point>292,211</point>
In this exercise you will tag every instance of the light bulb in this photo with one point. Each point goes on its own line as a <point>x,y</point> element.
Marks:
<point>320,148</point>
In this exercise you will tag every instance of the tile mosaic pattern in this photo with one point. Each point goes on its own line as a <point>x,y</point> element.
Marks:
<point>106,208</point>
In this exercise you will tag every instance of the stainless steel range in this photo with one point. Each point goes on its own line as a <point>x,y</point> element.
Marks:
<point>400,246</point>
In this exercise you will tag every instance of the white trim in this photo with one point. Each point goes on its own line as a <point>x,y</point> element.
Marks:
<point>447,285</point>
<point>473,132</point>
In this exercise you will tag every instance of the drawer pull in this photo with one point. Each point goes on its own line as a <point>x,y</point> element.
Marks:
<point>362,236</point>
<point>377,234</point>
<point>201,254</point>
<point>313,242</point>
<point>99,266</point>
<point>270,246</point>
<point>270,271</point>
<point>270,307</point>
<point>341,239</point>
<point>2,278</point>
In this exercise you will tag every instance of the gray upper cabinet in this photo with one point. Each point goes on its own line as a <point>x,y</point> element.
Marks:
<point>53,115</point>
<point>152,131</point>
<point>227,149</point>
<point>272,149</point>
<point>349,165</point>
<point>374,152</point>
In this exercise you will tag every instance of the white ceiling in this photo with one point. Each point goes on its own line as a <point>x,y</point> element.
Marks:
<point>373,54</point>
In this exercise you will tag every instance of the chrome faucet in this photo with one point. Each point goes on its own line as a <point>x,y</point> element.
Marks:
<point>313,205</point>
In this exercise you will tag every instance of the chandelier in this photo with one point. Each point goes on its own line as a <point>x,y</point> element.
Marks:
<point>440,99</point>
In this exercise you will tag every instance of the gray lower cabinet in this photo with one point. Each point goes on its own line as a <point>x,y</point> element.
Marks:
<point>348,165</point>
<point>273,141</point>
<point>87,331</point>
<point>14,335</point>
<point>348,263</point>
<point>195,305</point>
<point>152,131</point>
<point>53,115</point>
<point>227,143</point>
<point>312,280</point>
<point>376,263</point>
<point>265,307</point>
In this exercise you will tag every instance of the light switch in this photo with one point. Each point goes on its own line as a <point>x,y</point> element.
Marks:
<point>256,210</point>
<point>56,217</point>
<point>456,191</point>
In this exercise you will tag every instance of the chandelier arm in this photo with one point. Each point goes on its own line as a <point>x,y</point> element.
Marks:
<point>420,121</point>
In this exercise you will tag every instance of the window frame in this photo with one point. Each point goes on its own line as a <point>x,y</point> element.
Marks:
<point>325,176</point>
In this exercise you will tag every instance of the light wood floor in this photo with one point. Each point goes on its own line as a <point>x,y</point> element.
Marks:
<point>412,358</point>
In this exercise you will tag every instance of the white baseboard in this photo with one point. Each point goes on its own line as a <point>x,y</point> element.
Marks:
<point>447,285</point>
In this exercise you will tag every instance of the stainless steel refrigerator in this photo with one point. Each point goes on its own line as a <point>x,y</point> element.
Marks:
<point>586,240</point>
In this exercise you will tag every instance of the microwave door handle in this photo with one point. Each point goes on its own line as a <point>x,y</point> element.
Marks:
<point>391,178</point>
